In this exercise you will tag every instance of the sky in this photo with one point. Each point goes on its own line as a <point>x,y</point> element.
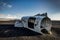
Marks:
<point>18,8</point>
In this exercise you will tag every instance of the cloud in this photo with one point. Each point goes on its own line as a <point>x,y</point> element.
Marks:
<point>12,16</point>
<point>1,14</point>
<point>9,6</point>
<point>55,16</point>
<point>5,5</point>
<point>8,16</point>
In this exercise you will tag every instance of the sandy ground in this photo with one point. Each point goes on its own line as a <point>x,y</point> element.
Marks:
<point>54,36</point>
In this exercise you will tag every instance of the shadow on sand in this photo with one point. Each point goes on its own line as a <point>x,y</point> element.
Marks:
<point>11,31</point>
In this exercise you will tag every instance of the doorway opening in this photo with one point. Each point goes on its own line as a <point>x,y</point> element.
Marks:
<point>31,22</point>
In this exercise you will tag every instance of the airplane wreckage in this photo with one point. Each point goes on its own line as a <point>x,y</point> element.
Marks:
<point>39,23</point>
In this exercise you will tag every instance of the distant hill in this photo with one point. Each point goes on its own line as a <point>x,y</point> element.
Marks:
<point>56,23</point>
